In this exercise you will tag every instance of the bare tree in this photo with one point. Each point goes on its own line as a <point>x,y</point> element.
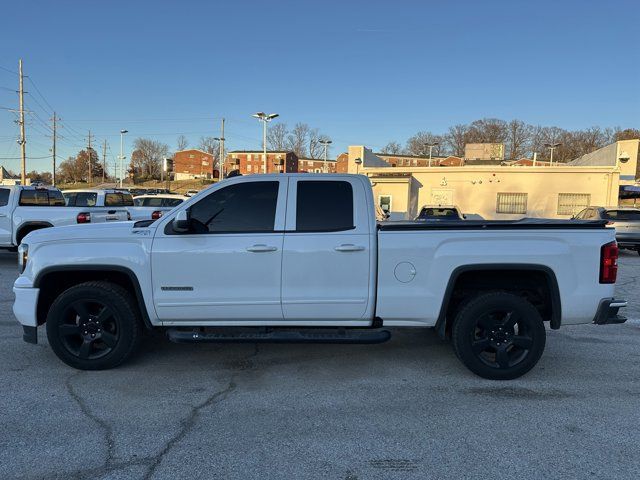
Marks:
<point>147,155</point>
<point>182,143</point>
<point>626,134</point>
<point>297,139</point>
<point>488,130</point>
<point>210,145</point>
<point>519,139</point>
<point>392,148</point>
<point>417,145</point>
<point>456,139</point>
<point>316,149</point>
<point>277,137</point>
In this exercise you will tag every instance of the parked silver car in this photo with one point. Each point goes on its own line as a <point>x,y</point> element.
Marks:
<point>626,221</point>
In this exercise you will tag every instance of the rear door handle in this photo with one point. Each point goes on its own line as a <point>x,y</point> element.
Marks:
<point>349,247</point>
<point>261,248</point>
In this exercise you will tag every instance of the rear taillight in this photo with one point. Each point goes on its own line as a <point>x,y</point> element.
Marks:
<point>156,215</point>
<point>609,263</point>
<point>84,217</point>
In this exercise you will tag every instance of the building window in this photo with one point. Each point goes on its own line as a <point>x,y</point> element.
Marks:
<point>191,155</point>
<point>572,203</point>
<point>515,203</point>
<point>248,168</point>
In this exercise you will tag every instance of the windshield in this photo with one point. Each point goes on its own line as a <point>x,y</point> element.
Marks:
<point>437,212</point>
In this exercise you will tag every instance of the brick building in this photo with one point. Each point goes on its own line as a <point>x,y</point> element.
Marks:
<point>251,161</point>
<point>193,163</point>
<point>315,165</point>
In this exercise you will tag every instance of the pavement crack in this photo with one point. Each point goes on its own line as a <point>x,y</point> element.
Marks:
<point>190,421</point>
<point>86,411</point>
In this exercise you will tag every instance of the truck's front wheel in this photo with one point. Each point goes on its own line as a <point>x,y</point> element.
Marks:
<point>499,335</point>
<point>93,325</point>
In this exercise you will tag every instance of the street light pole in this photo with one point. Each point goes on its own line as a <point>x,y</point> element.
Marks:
<point>122,132</point>
<point>264,118</point>
<point>431,145</point>
<point>551,147</point>
<point>325,144</point>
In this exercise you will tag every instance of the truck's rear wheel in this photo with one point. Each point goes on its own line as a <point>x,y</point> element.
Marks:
<point>499,336</point>
<point>93,325</point>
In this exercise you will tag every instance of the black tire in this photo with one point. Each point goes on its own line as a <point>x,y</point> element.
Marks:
<point>498,335</point>
<point>94,325</point>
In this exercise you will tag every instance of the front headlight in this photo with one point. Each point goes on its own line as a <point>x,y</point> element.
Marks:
<point>23,256</point>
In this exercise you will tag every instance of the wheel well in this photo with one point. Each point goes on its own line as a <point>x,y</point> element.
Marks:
<point>23,230</point>
<point>52,284</point>
<point>538,286</point>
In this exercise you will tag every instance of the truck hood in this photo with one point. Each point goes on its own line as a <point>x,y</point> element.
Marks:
<point>114,231</point>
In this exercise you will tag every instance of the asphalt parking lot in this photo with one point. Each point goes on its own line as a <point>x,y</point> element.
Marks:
<point>405,409</point>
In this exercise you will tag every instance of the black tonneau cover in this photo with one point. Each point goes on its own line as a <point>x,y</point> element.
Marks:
<point>522,224</point>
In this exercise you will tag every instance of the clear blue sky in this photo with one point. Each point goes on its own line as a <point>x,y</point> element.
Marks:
<point>363,72</point>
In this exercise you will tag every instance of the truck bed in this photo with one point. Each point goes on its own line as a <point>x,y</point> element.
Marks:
<point>522,224</point>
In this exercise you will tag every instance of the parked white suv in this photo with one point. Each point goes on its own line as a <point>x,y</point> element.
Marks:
<point>302,257</point>
<point>152,207</point>
<point>104,205</point>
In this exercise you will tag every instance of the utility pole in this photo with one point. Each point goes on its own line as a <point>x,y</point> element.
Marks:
<point>104,159</point>
<point>23,140</point>
<point>53,151</point>
<point>89,152</point>
<point>221,159</point>
<point>220,140</point>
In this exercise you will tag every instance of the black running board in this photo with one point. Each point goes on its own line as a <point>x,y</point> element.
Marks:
<point>280,336</point>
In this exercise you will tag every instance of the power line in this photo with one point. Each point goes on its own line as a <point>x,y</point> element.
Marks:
<point>7,70</point>
<point>40,93</point>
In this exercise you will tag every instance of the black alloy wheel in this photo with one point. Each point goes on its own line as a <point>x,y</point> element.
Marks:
<point>94,325</point>
<point>499,335</point>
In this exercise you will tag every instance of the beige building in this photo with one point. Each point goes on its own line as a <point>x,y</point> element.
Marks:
<point>490,191</point>
<point>484,151</point>
<point>624,154</point>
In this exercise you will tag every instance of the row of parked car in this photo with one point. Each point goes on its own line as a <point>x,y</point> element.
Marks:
<point>21,208</point>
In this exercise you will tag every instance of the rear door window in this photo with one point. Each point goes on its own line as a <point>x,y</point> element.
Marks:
<point>118,199</point>
<point>324,206</point>
<point>152,202</point>
<point>86,199</point>
<point>41,198</point>
<point>171,202</point>
<point>4,196</point>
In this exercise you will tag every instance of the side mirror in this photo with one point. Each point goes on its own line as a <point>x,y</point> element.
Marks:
<point>464,215</point>
<point>181,221</point>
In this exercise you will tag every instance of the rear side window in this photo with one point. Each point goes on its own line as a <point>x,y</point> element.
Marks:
<point>622,215</point>
<point>324,206</point>
<point>118,200</point>
<point>82,199</point>
<point>41,198</point>
<point>152,202</point>
<point>4,196</point>
<point>171,202</point>
<point>244,207</point>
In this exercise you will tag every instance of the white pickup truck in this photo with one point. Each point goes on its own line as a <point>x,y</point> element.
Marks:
<point>24,209</point>
<point>301,258</point>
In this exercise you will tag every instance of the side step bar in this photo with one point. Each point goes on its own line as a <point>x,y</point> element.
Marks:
<point>360,336</point>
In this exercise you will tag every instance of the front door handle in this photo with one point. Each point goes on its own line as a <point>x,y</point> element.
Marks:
<point>349,247</point>
<point>261,248</point>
